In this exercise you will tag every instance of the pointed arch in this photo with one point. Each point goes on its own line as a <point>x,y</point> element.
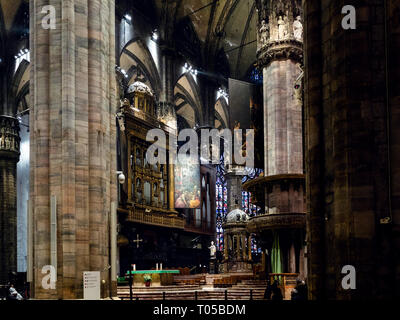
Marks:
<point>19,86</point>
<point>187,99</point>
<point>222,112</point>
<point>136,56</point>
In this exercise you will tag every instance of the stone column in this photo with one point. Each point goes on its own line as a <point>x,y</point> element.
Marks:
<point>292,258</point>
<point>166,109</point>
<point>280,57</point>
<point>168,74</point>
<point>209,87</point>
<point>73,141</point>
<point>234,176</point>
<point>302,263</point>
<point>351,120</point>
<point>9,157</point>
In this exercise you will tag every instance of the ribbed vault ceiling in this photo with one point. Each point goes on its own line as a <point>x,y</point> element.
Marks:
<point>227,24</point>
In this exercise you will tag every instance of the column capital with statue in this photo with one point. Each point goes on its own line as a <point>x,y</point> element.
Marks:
<point>280,31</point>
<point>9,137</point>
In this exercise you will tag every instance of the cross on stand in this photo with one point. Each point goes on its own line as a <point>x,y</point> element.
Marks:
<point>132,268</point>
<point>138,240</point>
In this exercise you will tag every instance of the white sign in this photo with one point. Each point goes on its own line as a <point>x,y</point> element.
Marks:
<point>91,285</point>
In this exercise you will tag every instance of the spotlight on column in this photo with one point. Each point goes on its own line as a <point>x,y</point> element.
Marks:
<point>121,177</point>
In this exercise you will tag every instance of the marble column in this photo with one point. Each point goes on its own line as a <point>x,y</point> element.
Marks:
<point>73,142</point>
<point>280,57</point>
<point>9,157</point>
<point>234,176</point>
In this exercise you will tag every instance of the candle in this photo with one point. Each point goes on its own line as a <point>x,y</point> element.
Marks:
<point>156,266</point>
<point>160,266</point>
<point>134,267</point>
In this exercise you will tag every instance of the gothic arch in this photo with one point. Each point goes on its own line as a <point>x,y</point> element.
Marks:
<point>20,86</point>
<point>187,100</point>
<point>136,58</point>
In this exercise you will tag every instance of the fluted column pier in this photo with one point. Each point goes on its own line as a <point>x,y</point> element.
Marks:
<point>73,144</point>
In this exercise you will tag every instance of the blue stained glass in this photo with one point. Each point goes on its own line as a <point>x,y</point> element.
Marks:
<point>222,204</point>
<point>256,76</point>
<point>247,205</point>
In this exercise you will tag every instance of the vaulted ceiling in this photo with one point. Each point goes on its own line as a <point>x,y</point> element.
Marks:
<point>227,24</point>
<point>8,12</point>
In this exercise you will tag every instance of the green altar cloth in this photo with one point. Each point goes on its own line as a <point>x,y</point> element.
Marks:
<point>158,277</point>
<point>153,271</point>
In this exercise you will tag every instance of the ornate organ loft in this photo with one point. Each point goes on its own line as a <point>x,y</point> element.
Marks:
<point>149,194</point>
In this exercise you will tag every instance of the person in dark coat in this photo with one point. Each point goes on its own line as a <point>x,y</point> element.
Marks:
<point>268,291</point>
<point>299,293</point>
<point>276,292</point>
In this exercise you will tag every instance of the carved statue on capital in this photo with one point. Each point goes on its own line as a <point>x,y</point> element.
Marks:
<point>9,134</point>
<point>285,30</point>
<point>264,33</point>
<point>282,28</point>
<point>298,29</point>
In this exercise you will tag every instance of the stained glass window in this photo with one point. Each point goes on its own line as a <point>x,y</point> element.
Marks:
<point>247,206</point>
<point>256,76</point>
<point>221,205</point>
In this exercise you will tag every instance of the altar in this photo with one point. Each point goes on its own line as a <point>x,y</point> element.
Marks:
<point>158,277</point>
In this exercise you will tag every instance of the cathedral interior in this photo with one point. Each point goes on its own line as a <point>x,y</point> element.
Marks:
<point>83,82</point>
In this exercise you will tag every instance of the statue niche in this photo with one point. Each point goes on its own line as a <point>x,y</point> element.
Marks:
<point>264,34</point>
<point>298,29</point>
<point>282,28</point>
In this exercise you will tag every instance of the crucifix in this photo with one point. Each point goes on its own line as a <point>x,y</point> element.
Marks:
<point>138,240</point>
